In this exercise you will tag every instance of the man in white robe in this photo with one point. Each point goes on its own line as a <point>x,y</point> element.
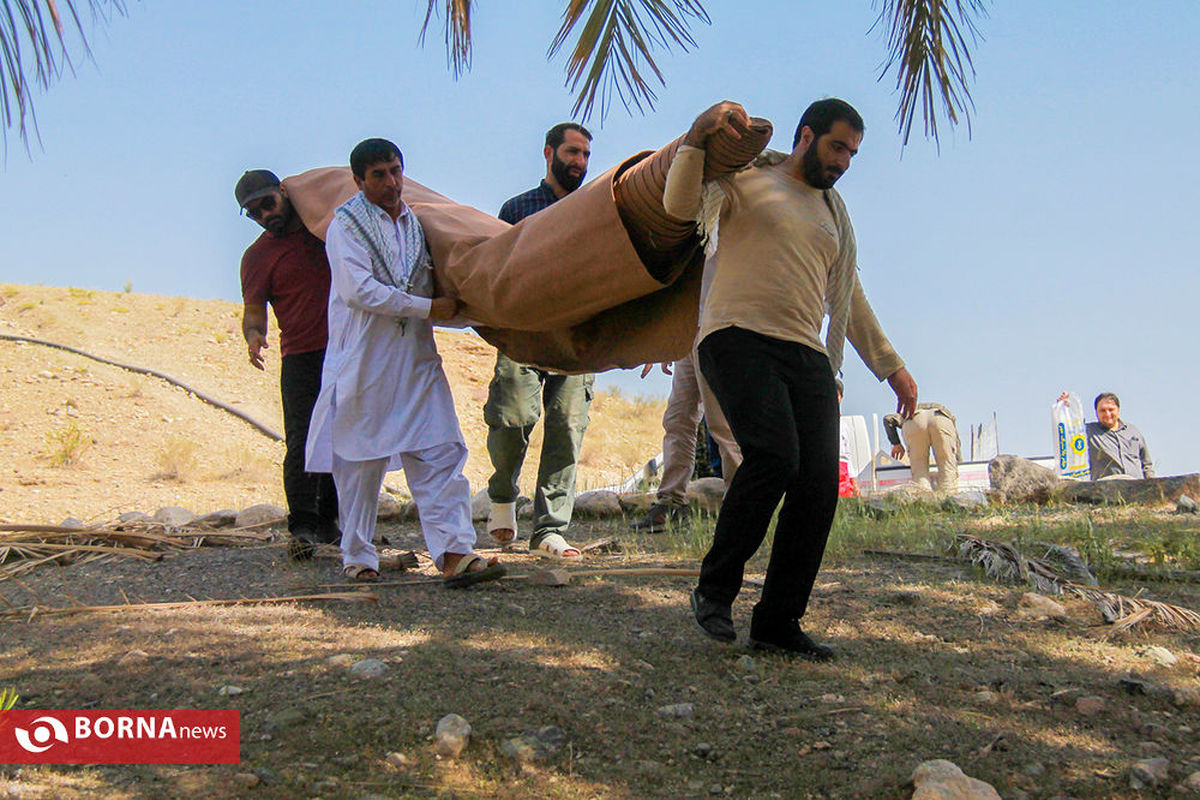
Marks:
<point>385,402</point>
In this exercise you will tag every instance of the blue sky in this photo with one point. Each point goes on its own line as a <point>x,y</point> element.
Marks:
<point>1053,249</point>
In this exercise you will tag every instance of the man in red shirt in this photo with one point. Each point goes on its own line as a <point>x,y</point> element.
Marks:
<point>287,267</point>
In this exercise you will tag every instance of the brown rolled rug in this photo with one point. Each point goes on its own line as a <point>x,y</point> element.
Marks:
<point>604,278</point>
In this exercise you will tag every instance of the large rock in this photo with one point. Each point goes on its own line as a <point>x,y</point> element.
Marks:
<point>1019,480</point>
<point>706,494</point>
<point>260,514</point>
<point>597,503</point>
<point>636,503</point>
<point>218,519</point>
<point>174,516</point>
<point>1147,491</point>
<point>390,507</point>
<point>943,780</point>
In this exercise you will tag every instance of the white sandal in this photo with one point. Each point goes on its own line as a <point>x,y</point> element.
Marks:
<point>554,546</point>
<point>503,517</point>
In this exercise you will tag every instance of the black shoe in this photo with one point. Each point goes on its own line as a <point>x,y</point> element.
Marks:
<point>789,640</point>
<point>328,532</point>
<point>660,517</point>
<point>714,619</point>
<point>302,544</point>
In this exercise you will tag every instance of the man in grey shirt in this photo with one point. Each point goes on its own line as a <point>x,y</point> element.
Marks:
<point>1116,448</point>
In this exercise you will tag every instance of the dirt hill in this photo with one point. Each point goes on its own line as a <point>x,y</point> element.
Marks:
<point>83,439</point>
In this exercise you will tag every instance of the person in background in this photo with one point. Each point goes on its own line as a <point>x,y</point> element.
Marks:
<point>934,428</point>
<point>1116,449</point>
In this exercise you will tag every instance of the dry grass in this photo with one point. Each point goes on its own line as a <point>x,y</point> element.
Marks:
<point>66,445</point>
<point>177,458</point>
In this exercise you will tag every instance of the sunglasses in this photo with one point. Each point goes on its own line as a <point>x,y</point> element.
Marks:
<point>257,209</point>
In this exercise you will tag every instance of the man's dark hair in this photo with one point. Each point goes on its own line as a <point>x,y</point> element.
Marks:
<point>372,151</point>
<point>821,115</point>
<point>1106,396</point>
<point>556,135</point>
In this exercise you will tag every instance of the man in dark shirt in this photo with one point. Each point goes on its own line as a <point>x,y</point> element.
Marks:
<point>287,267</point>
<point>518,393</point>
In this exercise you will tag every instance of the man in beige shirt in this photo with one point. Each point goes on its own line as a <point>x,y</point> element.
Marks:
<point>785,256</point>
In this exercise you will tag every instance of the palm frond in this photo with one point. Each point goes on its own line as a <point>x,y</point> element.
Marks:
<point>613,54</point>
<point>1003,561</point>
<point>34,51</point>
<point>457,32</point>
<point>928,45</point>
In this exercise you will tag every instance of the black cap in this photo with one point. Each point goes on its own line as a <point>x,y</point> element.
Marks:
<point>254,184</point>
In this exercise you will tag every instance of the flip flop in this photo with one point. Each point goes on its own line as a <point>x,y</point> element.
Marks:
<point>554,547</point>
<point>502,523</point>
<point>467,572</point>
<point>360,573</point>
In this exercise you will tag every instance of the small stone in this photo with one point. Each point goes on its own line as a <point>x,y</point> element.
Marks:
<point>1186,505</point>
<point>289,717</point>
<point>831,698</point>
<point>746,663</point>
<point>597,504</point>
<point>938,779</point>
<point>246,779</point>
<point>1039,606</point>
<point>218,519</point>
<point>1192,782</point>
<point>265,775</point>
<point>71,522</point>
<point>1160,655</point>
<point>1035,768</point>
<point>230,691</point>
<point>134,657</point>
<point>389,507</point>
<point>134,517</point>
<point>1089,705</point>
<point>986,697</point>
<point>1153,731</point>
<point>550,738</point>
<point>519,749</point>
<point>260,514</point>
<point>368,668</point>
<point>680,710</point>
<point>346,761</point>
<point>398,760</point>
<point>702,750</point>
<point>716,788</point>
<point>341,660</point>
<point>174,516</point>
<point>452,734</point>
<point>1149,772</point>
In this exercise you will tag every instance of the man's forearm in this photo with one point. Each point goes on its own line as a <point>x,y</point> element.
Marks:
<point>685,183</point>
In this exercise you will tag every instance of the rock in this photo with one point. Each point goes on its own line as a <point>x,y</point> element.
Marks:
<point>265,775</point>
<point>986,697</point>
<point>706,494</point>
<point>1186,505</point>
<point>230,691</point>
<point>534,745</point>
<point>878,508</point>
<point>680,710</point>
<point>289,717</point>
<point>550,738</point>
<point>965,501</point>
<point>1090,705</point>
<point>1159,655</point>
<point>1146,491</point>
<point>1186,697</point>
<point>389,507</point>
<point>71,522</point>
<point>343,660</point>
<point>218,519</point>
<point>1034,768</point>
<point>636,503</point>
<point>746,663</point>
<point>1039,606</point>
<point>260,514</point>
<point>397,760</point>
<point>134,518</point>
<point>597,504</point>
<point>1019,480</point>
<point>247,779</point>
<point>481,506</point>
<point>368,668</point>
<point>1192,782</point>
<point>134,657</point>
<point>702,750</point>
<point>943,780</point>
<point>1149,772</point>
<point>910,494</point>
<point>452,734</point>
<point>519,749</point>
<point>174,516</point>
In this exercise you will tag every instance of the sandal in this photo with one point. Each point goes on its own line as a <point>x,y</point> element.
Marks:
<point>472,569</point>
<point>502,523</point>
<point>553,546</point>
<point>360,573</point>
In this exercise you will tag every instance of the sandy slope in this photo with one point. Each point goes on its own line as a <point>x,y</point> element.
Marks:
<point>138,430</point>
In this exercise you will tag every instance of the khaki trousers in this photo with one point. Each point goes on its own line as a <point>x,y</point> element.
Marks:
<point>929,430</point>
<point>691,397</point>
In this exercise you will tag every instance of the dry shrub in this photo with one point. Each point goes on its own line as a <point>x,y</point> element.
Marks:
<point>65,446</point>
<point>177,459</point>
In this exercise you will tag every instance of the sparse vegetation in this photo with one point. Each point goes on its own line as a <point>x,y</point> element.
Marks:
<point>177,459</point>
<point>65,446</point>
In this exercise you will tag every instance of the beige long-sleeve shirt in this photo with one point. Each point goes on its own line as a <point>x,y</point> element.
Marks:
<point>779,239</point>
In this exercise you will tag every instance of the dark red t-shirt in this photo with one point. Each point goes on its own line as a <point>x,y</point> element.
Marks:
<point>291,272</point>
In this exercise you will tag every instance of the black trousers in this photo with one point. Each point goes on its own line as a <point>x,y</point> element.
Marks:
<point>781,403</point>
<point>311,496</point>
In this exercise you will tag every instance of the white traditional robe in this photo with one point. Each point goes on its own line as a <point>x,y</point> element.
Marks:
<point>383,391</point>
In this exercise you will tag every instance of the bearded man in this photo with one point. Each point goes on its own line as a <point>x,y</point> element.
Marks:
<point>518,393</point>
<point>785,255</point>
